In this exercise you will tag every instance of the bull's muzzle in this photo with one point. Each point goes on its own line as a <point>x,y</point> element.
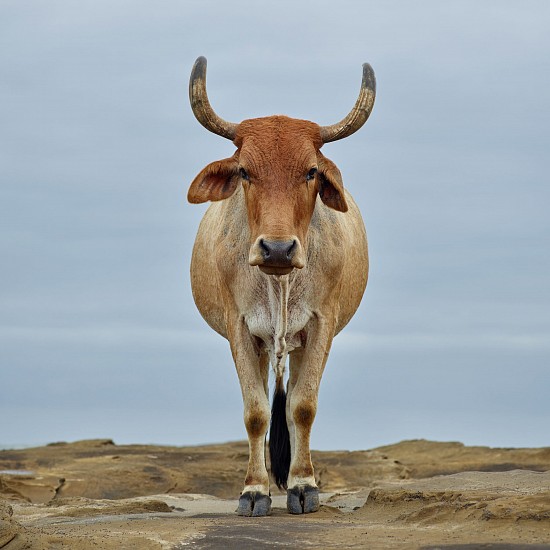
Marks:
<point>276,256</point>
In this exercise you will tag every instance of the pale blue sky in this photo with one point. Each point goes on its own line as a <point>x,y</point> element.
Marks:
<point>99,334</point>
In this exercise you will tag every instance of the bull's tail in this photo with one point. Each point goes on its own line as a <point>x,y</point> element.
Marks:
<point>279,439</point>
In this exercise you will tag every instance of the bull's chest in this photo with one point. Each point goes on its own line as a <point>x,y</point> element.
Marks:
<point>264,318</point>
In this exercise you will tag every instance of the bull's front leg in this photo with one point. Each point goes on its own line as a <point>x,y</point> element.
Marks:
<point>253,368</point>
<point>306,369</point>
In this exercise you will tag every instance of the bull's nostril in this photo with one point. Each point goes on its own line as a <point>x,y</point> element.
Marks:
<point>277,253</point>
<point>264,248</point>
<point>291,250</point>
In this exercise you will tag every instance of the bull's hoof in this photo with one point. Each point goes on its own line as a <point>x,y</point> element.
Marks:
<point>302,500</point>
<point>254,504</point>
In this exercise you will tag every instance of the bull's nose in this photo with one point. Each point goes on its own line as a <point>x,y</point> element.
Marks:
<point>277,253</point>
<point>277,256</point>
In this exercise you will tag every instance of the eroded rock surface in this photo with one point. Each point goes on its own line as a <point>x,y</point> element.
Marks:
<point>415,494</point>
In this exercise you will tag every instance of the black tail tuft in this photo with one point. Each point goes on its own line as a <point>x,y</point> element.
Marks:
<point>279,439</point>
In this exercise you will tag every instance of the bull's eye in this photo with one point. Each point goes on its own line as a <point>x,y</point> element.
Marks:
<point>244,174</point>
<point>311,174</point>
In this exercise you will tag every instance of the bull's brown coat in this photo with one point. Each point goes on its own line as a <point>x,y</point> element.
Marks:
<point>278,187</point>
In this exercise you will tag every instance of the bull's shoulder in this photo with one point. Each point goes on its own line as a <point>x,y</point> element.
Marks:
<point>215,238</point>
<point>334,234</point>
<point>338,261</point>
<point>222,280</point>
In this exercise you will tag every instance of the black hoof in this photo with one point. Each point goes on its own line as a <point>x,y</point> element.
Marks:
<point>302,500</point>
<point>254,504</point>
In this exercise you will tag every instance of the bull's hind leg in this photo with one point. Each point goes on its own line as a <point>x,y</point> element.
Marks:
<point>252,367</point>
<point>306,369</point>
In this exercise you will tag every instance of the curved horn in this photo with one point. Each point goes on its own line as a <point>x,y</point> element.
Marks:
<point>201,106</point>
<point>360,112</point>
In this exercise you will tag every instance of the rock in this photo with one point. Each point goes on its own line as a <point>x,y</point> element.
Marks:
<point>95,494</point>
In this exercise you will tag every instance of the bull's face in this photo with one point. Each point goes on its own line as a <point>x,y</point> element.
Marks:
<point>281,170</point>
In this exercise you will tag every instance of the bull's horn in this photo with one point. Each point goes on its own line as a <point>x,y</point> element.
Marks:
<point>201,106</point>
<point>360,112</point>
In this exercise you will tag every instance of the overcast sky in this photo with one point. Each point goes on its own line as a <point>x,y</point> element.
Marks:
<point>99,333</point>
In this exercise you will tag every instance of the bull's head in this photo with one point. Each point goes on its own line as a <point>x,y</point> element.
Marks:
<point>280,166</point>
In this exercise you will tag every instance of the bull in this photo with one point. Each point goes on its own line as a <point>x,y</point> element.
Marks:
<point>279,267</point>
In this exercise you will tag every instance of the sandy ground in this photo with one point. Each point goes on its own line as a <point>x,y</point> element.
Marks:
<point>415,494</point>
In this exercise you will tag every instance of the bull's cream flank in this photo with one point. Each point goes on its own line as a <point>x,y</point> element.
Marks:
<point>279,267</point>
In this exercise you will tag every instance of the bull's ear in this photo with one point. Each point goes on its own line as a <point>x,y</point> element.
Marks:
<point>331,186</point>
<point>215,182</point>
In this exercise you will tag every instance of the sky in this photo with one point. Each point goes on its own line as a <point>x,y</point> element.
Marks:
<point>99,335</point>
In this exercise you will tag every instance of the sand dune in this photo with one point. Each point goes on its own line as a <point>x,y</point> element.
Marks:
<point>415,494</point>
